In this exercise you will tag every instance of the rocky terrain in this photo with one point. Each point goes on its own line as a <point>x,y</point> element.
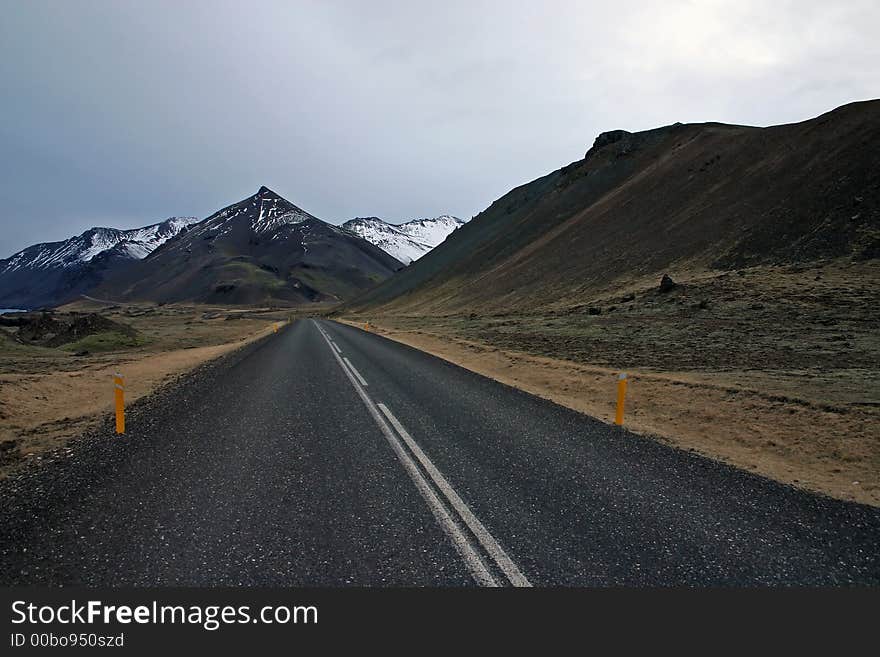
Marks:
<point>50,329</point>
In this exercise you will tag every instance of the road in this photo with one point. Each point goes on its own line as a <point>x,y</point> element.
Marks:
<point>327,455</point>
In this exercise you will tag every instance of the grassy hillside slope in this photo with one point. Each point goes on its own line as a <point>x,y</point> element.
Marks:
<point>681,197</point>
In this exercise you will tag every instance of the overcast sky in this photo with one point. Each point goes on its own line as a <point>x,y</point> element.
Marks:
<point>124,113</point>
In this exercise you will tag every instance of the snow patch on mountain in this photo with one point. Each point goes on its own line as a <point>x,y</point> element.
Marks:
<point>407,241</point>
<point>274,214</point>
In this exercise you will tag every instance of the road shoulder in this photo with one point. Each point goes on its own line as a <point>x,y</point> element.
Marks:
<point>794,441</point>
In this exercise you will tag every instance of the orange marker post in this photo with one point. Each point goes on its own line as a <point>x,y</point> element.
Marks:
<point>119,392</point>
<point>621,398</point>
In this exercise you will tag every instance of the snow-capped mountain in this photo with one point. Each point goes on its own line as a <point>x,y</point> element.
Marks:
<point>408,241</point>
<point>135,243</point>
<point>263,249</point>
<point>54,272</point>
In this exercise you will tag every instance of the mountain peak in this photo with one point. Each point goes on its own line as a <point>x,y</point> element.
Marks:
<point>265,192</point>
<point>262,212</point>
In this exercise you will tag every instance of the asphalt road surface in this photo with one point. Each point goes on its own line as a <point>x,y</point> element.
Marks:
<point>327,455</point>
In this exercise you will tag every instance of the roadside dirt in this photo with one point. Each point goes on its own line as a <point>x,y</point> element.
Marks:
<point>49,396</point>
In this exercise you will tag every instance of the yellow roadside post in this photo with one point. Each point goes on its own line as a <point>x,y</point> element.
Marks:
<point>119,393</point>
<point>621,398</point>
<point>275,328</point>
<point>366,326</point>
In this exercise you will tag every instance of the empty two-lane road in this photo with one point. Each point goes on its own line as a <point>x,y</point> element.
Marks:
<point>327,455</point>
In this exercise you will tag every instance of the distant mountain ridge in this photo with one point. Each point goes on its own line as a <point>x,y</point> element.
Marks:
<point>263,249</point>
<point>407,241</point>
<point>53,272</point>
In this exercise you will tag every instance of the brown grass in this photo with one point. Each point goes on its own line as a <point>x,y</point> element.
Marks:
<point>49,396</point>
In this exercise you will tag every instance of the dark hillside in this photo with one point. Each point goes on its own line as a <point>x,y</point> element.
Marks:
<point>682,197</point>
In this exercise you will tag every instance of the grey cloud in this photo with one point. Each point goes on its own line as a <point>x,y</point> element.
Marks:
<point>125,113</point>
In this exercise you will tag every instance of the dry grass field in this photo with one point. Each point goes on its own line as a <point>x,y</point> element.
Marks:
<point>50,395</point>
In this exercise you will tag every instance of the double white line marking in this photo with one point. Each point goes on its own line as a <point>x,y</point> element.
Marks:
<point>486,560</point>
<point>339,355</point>
<point>357,374</point>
